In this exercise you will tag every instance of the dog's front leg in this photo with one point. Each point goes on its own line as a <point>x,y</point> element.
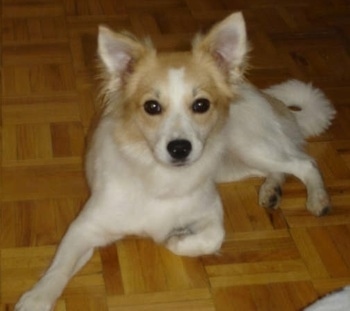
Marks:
<point>74,251</point>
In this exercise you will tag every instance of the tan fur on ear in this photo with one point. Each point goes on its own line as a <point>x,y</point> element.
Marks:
<point>119,53</point>
<point>117,50</point>
<point>227,43</point>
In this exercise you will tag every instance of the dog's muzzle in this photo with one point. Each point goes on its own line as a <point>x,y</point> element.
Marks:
<point>179,150</point>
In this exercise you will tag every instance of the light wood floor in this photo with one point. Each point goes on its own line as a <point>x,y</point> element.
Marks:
<point>280,261</point>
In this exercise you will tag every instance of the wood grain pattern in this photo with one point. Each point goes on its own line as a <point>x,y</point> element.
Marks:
<point>269,261</point>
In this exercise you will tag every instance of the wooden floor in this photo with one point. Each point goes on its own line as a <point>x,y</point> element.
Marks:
<point>280,261</point>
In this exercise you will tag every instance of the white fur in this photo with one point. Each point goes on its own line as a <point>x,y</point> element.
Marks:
<point>317,112</point>
<point>178,124</point>
<point>263,142</point>
<point>176,89</point>
<point>164,204</point>
<point>271,139</point>
<point>338,301</point>
<point>135,189</point>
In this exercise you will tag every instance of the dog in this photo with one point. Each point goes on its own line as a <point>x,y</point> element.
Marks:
<point>174,125</point>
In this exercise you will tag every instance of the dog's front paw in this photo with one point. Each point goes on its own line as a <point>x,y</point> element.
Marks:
<point>34,301</point>
<point>179,245</point>
<point>195,245</point>
<point>318,203</point>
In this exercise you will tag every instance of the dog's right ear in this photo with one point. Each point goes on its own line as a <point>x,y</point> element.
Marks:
<point>118,51</point>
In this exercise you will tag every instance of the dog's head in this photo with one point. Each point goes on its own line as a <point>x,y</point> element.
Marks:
<point>170,106</point>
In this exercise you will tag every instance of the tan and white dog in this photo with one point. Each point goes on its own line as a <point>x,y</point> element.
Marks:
<point>173,125</point>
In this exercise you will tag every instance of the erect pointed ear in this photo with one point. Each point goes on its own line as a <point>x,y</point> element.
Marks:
<point>226,42</point>
<point>118,51</point>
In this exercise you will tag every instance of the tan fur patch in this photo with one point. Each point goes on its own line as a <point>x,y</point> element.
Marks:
<point>278,106</point>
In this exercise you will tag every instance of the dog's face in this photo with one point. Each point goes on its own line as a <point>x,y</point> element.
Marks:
<point>175,106</point>
<point>170,106</point>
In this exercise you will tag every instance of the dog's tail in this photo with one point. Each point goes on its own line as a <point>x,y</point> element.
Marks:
<point>313,111</point>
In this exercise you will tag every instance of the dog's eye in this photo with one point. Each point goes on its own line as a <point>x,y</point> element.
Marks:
<point>201,105</point>
<point>152,107</point>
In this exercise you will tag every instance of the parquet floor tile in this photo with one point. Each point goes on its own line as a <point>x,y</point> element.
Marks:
<point>269,261</point>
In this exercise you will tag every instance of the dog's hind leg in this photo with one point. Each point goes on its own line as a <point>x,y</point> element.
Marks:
<point>304,168</point>
<point>271,191</point>
<point>318,202</point>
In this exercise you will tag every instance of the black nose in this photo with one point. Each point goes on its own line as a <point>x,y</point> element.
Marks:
<point>179,149</point>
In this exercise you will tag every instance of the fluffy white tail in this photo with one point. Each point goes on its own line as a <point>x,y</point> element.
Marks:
<point>313,111</point>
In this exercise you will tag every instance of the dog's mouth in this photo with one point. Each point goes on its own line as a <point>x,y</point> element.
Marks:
<point>180,163</point>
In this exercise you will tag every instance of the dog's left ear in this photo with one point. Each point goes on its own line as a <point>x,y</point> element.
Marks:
<point>226,42</point>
